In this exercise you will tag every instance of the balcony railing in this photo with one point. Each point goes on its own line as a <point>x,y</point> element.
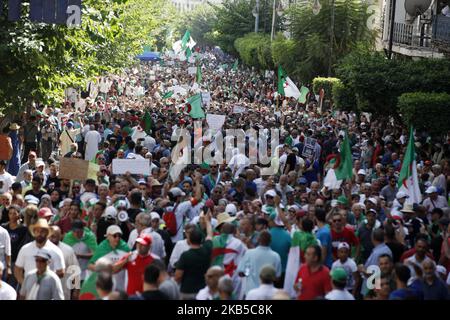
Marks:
<point>441,29</point>
<point>408,35</point>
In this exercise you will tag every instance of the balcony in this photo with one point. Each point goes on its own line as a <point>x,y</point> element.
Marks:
<point>406,35</point>
<point>441,32</point>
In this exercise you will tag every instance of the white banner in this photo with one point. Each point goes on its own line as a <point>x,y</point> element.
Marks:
<point>215,121</point>
<point>134,166</point>
<point>192,70</point>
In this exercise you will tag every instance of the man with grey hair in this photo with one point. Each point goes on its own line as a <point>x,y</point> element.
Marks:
<point>225,288</point>
<point>434,287</point>
<point>6,291</point>
<point>143,226</point>
<point>266,290</point>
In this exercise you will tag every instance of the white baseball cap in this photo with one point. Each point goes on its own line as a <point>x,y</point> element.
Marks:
<point>31,199</point>
<point>362,171</point>
<point>231,209</point>
<point>343,245</point>
<point>401,195</point>
<point>270,193</point>
<point>110,212</point>
<point>114,229</point>
<point>154,215</point>
<point>177,192</point>
<point>431,189</point>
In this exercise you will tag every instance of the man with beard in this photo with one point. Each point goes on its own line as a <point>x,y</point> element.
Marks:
<point>25,259</point>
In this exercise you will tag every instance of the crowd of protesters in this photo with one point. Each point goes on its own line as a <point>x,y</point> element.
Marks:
<point>216,230</point>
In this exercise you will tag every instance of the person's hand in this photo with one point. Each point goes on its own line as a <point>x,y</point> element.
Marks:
<point>361,268</point>
<point>127,174</point>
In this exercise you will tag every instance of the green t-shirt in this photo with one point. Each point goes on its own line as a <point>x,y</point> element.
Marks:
<point>195,263</point>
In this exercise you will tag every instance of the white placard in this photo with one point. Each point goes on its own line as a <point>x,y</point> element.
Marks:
<point>206,98</point>
<point>215,121</point>
<point>192,70</point>
<point>152,78</point>
<point>239,109</point>
<point>134,166</point>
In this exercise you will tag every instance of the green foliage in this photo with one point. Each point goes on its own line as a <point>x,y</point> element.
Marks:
<point>39,61</point>
<point>282,52</point>
<point>377,82</point>
<point>311,35</point>
<point>235,19</point>
<point>255,50</point>
<point>344,99</point>
<point>200,22</point>
<point>326,84</point>
<point>426,111</point>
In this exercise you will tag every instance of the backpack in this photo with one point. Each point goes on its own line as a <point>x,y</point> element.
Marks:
<point>171,222</point>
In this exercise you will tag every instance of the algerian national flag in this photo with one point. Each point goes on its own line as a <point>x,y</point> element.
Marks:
<point>88,238</point>
<point>408,181</point>
<point>235,65</point>
<point>191,44</point>
<point>194,105</point>
<point>198,76</point>
<point>286,87</point>
<point>292,267</point>
<point>344,170</point>
<point>303,94</point>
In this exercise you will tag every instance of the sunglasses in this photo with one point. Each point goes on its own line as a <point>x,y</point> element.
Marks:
<point>117,235</point>
<point>337,220</point>
<point>269,197</point>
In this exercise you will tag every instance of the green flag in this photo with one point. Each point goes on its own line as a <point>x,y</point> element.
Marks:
<point>167,95</point>
<point>303,94</point>
<point>148,123</point>
<point>235,65</point>
<point>198,77</point>
<point>188,53</point>
<point>281,80</point>
<point>185,39</point>
<point>344,170</point>
<point>195,106</point>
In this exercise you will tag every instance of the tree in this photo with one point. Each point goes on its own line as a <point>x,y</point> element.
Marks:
<point>311,35</point>
<point>200,22</point>
<point>377,82</point>
<point>426,111</point>
<point>254,49</point>
<point>235,19</point>
<point>39,61</point>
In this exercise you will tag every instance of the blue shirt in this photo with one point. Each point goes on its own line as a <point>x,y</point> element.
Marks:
<point>281,243</point>
<point>435,291</point>
<point>378,251</point>
<point>324,236</point>
<point>254,260</point>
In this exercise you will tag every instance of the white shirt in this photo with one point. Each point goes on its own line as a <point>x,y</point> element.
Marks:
<point>413,260</point>
<point>180,247</point>
<point>157,247</point>
<point>6,181</point>
<point>336,294</point>
<point>350,267</point>
<point>71,261</point>
<point>238,162</point>
<point>5,245</point>
<point>440,202</point>
<point>26,261</point>
<point>263,292</point>
<point>7,292</point>
<point>181,212</point>
<point>93,138</point>
<point>204,294</point>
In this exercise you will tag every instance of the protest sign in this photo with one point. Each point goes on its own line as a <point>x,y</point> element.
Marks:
<point>309,147</point>
<point>215,121</point>
<point>77,169</point>
<point>134,166</point>
<point>239,109</point>
<point>192,70</point>
<point>206,98</point>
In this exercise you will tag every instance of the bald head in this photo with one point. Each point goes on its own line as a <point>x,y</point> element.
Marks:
<point>56,235</point>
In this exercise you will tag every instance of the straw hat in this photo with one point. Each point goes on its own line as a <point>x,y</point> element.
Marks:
<point>41,223</point>
<point>14,126</point>
<point>407,207</point>
<point>224,218</point>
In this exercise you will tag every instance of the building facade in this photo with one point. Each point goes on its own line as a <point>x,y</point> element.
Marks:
<point>188,5</point>
<point>425,35</point>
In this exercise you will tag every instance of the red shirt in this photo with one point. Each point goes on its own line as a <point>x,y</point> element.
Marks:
<point>135,272</point>
<point>347,235</point>
<point>314,285</point>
